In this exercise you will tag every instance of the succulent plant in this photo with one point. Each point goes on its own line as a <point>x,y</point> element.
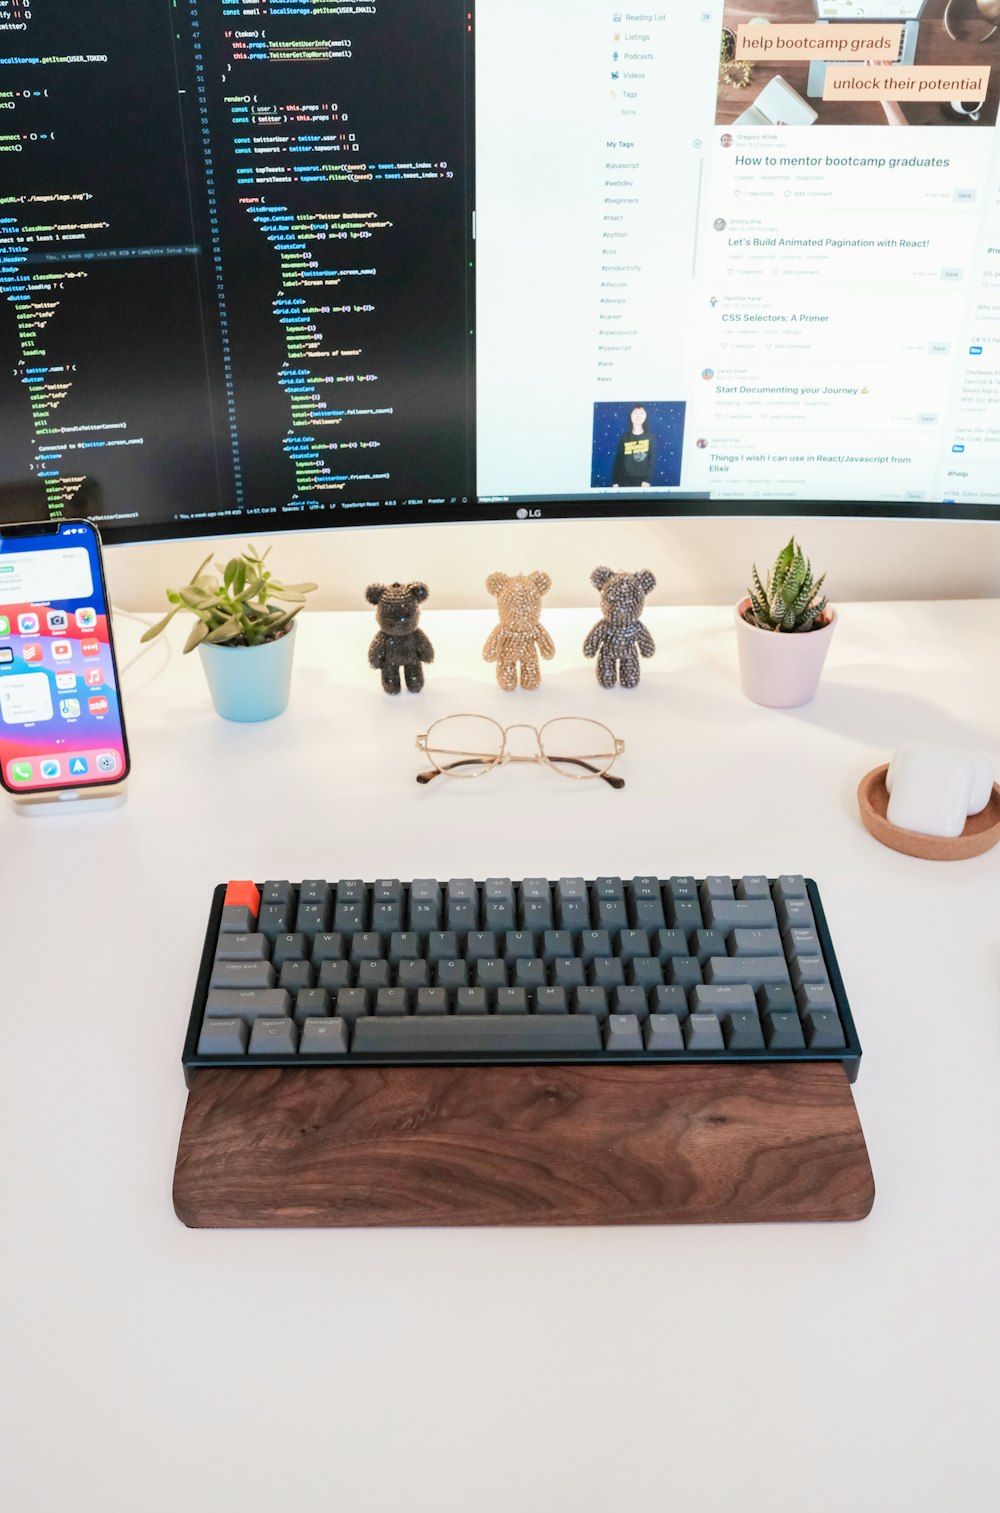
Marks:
<point>791,600</point>
<point>731,71</point>
<point>238,609</point>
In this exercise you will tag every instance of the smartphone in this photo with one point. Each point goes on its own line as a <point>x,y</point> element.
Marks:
<point>61,723</point>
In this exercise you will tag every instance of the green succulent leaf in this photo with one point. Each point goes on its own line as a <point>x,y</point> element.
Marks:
<point>198,634</point>
<point>789,601</point>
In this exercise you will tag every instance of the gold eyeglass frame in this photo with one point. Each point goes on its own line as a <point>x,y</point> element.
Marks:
<point>487,761</point>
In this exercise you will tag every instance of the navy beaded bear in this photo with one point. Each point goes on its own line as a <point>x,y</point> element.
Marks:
<point>399,643</point>
<point>617,639</point>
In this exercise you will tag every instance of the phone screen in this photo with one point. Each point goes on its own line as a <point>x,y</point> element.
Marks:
<point>60,715</point>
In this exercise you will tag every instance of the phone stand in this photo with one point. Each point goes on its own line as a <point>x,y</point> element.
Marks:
<point>69,801</point>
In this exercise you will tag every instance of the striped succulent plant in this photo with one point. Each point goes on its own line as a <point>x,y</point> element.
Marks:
<point>791,600</point>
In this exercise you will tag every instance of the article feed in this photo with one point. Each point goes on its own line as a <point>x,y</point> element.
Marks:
<point>788,250</point>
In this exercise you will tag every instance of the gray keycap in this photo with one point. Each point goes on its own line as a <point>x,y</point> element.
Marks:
<point>702,1032</point>
<point>295,975</point>
<point>373,975</point>
<point>662,1032</point>
<point>622,1032</point>
<point>753,885</point>
<point>235,947</point>
<point>629,1000</point>
<point>481,945</point>
<point>289,947</point>
<point>238,918</point>
<point>490,975</point>
<point>387,905</point>
<point>413,975</point>
<point>742,1032</point>
<point>556,945</point>
<point>462,905</point>
<point>273,1037</point>
<point>754,943</point>
<point>471,1001</point>
<point>593,1001</point>
<point>683,970</point>
<point>755,970</point>
<point>311,918</point>
<point>594,943</point>
<point>442,945</point>
<point>425,906</point>
<point>808,969</point>
<point>550,1001</point>
<point>823,1030</point>
<point>815,996</point>
<point>606,972</point>
<point>334,975</point>
<point>511,1001</point>
<point>315,890</point>
<point>518,945</point>
<point>776,998</point>
<point>529,973</point>
<point>740,914</point>
<point>802,941</point>
<point>671,1000</point>
<point>707,943</point>
<point>685,914</point>
<point>469,1034</point>
<point>794,914</point>
<point>632,943</point>
<point>568,972</point>
<point>608,907</point>
<point>535,911</point>
<point>670,943</point>
<point>311,1003</point>
<point>723,998</point>
<point>572,904</point>
<point>274,919</point>
<point>498,904</point>
<point>644,972</point>
<point>682,888</point>
<point>350,912</point>
<point>329,946</point>
<point>404,945</point>
<point>783,1032</point>
<point>648,914</point>
<point>242,974</point>
<point>451,974</point>
<point>715,886</point>
<point>392,1001</point>
<point>323,1037</point>
<point>431,1001</point>
<point>223,1037</point>
<point>366,945</point>
<point>277,891</point>
<point>790,885</point>
<point>351,1004</point>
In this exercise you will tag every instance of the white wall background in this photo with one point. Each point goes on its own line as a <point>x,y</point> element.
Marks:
<point>695,561</point>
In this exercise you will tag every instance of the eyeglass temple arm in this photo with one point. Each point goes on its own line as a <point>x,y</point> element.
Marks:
<point>609,778</point>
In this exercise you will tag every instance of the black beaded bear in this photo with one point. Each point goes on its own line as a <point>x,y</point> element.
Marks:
<point>621,635</point>
<point>399,643</point>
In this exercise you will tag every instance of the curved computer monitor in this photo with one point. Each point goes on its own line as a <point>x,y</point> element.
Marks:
<point>310,263</point>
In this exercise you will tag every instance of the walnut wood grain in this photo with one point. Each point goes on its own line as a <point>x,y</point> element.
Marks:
<point>521,1145</point>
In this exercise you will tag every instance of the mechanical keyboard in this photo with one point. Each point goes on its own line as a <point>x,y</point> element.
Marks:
<point>634,971</point>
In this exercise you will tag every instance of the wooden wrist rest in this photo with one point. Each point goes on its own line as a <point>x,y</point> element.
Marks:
<point>521,1145</point>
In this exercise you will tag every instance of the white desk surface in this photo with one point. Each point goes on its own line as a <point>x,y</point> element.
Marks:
<point>799,1369</point>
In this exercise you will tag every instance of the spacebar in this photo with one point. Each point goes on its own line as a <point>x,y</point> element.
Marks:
<point>471,1033</point>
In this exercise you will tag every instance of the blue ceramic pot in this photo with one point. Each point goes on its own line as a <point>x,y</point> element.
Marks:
<point>250,682</point>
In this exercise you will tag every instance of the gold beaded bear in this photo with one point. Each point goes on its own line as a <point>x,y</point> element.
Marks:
<point>513,642</point>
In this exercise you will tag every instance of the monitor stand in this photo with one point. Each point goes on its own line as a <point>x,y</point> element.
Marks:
<point>515,1145</point>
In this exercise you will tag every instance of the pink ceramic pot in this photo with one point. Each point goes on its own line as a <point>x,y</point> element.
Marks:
<point>777,669</point>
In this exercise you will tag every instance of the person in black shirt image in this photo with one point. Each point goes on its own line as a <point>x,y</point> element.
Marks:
<point>635,458</point>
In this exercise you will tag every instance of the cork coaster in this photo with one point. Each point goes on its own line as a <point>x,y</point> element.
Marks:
<point>981,830</point>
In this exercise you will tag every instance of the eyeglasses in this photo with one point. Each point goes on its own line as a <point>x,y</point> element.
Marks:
<point>469,745</point>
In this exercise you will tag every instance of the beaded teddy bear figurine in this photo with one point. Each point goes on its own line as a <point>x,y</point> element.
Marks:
<point>614,639</point>
<point>512,643</point>
<point>399,643</point>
